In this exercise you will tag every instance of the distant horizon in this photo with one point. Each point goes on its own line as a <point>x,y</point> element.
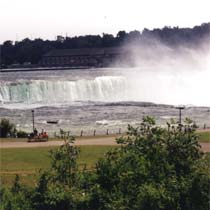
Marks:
<point>47,19</point>
<point>87,34</point>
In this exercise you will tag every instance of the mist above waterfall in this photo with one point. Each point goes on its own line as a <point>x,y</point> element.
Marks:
<point>166,74</point>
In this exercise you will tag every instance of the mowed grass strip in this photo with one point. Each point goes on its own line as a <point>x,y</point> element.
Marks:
<point>204,136</point>
<point>2,140</point>
<point>28,161</point>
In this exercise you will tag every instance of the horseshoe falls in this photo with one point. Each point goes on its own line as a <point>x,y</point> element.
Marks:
<point>49,89</point>
<point>104,88</point>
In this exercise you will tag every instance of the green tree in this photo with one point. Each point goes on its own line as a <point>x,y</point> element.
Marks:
<point>155,168</point>
<point>59,188</point>
<point>63,163</point>
<point>6,128</point>
<point>16,198</point>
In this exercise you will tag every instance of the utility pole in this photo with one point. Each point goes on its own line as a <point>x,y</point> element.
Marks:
<point>180,113</point>
<point>33,119</point>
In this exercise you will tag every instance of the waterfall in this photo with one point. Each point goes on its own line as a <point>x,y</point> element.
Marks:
<point>104,88</point>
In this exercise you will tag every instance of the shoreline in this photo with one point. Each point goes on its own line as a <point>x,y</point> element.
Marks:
<point>42,69</point>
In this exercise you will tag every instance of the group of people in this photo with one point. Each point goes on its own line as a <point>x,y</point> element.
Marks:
<point>38,135</point>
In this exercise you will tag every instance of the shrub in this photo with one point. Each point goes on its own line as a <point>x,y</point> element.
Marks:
<point>154,168</point>
<point>22,134</point>
<point>6,128</point>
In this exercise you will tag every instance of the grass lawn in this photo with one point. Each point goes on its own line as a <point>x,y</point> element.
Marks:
<point>28,161</point>
<point>13,140</point>
<point>59,139</point>
<point>204,136</point>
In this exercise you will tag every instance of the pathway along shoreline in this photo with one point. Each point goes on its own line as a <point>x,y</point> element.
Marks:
<point>101,141</point>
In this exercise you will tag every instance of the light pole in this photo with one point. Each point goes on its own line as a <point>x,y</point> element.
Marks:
<point>33,119</point>
<point>180,113</point>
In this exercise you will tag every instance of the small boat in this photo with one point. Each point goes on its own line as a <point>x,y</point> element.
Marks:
<point>52,121</point>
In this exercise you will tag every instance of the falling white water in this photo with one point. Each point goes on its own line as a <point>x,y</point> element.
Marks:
<point>103,88</point>
<point>163,84</point>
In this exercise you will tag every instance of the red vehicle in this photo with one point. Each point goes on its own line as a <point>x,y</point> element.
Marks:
<point>33,137</point>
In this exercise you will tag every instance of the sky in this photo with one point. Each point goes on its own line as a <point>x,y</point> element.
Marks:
<point>48,18</point>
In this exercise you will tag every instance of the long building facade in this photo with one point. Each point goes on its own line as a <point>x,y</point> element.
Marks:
<point>92,57</point>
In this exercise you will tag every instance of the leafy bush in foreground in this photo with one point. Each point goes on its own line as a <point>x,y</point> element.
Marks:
<point>153,169</point>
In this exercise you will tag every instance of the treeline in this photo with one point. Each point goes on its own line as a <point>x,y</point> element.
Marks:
<point>8,129</point>
<point>31,51</point>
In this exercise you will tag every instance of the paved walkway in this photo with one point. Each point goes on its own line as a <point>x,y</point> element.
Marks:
<point>95,141</point>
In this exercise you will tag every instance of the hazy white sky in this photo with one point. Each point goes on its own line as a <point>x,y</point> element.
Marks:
<point>47,18</point>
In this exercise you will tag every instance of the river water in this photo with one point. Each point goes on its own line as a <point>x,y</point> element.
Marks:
<point>101,99</point>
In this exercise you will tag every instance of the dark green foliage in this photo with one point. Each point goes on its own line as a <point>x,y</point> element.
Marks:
<point>63,163</point>
<point>22,134</point>
<point>6,128</point>
<point>154,169</point>
<point>32,50</point>
<point>16,198</point>
<point>16,185</point>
